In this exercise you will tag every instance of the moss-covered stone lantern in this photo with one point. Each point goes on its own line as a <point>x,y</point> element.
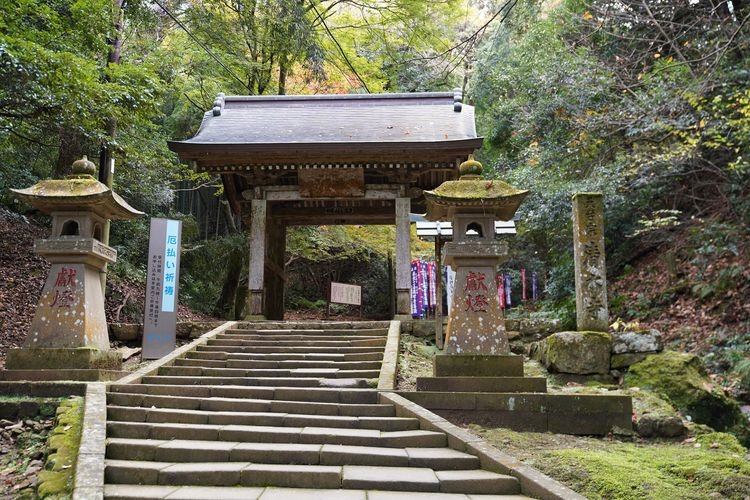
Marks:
<point>475,321</point>
<point>69,329</point>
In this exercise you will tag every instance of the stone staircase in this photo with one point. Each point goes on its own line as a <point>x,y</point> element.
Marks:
<point>281,411</point>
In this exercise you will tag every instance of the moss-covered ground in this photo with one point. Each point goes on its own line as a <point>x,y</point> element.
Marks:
<point>713,465</point>
<point>23,445</point>
<point>702,464</point>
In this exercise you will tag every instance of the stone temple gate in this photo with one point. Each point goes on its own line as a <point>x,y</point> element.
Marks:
<point>328,159</point>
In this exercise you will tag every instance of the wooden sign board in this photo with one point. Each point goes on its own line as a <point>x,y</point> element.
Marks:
<point>342,293</point>
<point>331,182</point>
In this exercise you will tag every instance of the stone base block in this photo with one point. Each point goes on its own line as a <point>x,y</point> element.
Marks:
<point>475,365</point>
<point>580,414</point>
<point>47,389</point>
<point>519,421</point>
<point>482,384</point>
<point>82,375</point>
<point>83,358</point>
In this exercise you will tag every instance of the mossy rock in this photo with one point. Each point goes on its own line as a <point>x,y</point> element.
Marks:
<point>574,352</point>
<point>683,379</point>
<point>722,441</point>
<point>655,416</point>
<point>54,484</point>
<point>56,481</point>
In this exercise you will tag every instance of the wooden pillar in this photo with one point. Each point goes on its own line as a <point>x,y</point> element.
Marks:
<point>275,278</point>
<point>403,258</point>
<point>257,246</point>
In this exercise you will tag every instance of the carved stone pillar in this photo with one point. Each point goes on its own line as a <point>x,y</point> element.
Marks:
<point>592,313</point>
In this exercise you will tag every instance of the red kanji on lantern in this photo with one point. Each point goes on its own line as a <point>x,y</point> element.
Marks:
<point>63,299</point>
<point>477,303</point>
<point>475,282</point>
<point>66,277</point>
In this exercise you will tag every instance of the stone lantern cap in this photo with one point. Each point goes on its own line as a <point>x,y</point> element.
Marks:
<point>471,194</point>
<point>77,192</point>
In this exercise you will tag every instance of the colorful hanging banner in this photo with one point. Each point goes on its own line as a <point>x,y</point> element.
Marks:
<point>450,280</point>
<point>431,268</point>
<point>501,290</point>
<point>415,305</point>
<point>424,282</point>
<point>523,285</point>
<point>534,294</point>
<point>508,302</point>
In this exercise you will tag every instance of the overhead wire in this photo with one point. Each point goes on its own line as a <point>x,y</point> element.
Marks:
<point>202,45</point>
<point>338,45</point>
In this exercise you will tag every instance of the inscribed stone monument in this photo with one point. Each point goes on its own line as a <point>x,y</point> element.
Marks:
<point>590,271</point>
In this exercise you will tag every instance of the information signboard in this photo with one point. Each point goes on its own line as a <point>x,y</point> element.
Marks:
<point>341,293</point>
<point>160,318</point>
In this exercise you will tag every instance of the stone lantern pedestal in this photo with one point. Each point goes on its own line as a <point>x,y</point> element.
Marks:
<point>476,342</point>
<point>68,336</point>
<point>475,321</point>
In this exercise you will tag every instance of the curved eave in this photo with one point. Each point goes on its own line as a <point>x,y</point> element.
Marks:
<point>106,203</point>
<point>189,150</point>
<point>503,208</point>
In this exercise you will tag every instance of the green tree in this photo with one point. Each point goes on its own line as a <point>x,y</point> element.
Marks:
<point>645,102</point>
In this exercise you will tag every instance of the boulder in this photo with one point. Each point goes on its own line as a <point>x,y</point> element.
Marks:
<point>423,328</point>
<point>619,361</point>
<point>538,326</point>
<point>125,331</point>
<point>574,352</point>
<point>660,426</point>
<point>637,341</point>
<point>683,380</point>
<point>194,329</point>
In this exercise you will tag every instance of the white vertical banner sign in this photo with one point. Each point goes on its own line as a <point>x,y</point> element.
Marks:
<point>160,318</point>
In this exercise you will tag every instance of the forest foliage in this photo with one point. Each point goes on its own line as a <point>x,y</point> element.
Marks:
<point>648,102</point>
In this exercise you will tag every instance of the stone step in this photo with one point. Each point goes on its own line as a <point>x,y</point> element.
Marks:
<point>272,365</point>
<point>259,381</point>
<point>150,492</point>
<point>279,419</point>
<point>346,332</point>
<point>296,336</point>
<point>198,371</point>
<point>308,476</point>
<point>179,450</point>
<point>375,342</point>
<point>247,404</point>
<point>272,434</point>
<point>312,394</point>
<point>284,350</point>
<point>482,384</point>
<point>229,355</point>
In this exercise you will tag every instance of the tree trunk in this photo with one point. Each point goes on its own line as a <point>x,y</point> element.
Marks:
<point>69,150</point>
<point>227,306</point>
<point>282,74</point>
